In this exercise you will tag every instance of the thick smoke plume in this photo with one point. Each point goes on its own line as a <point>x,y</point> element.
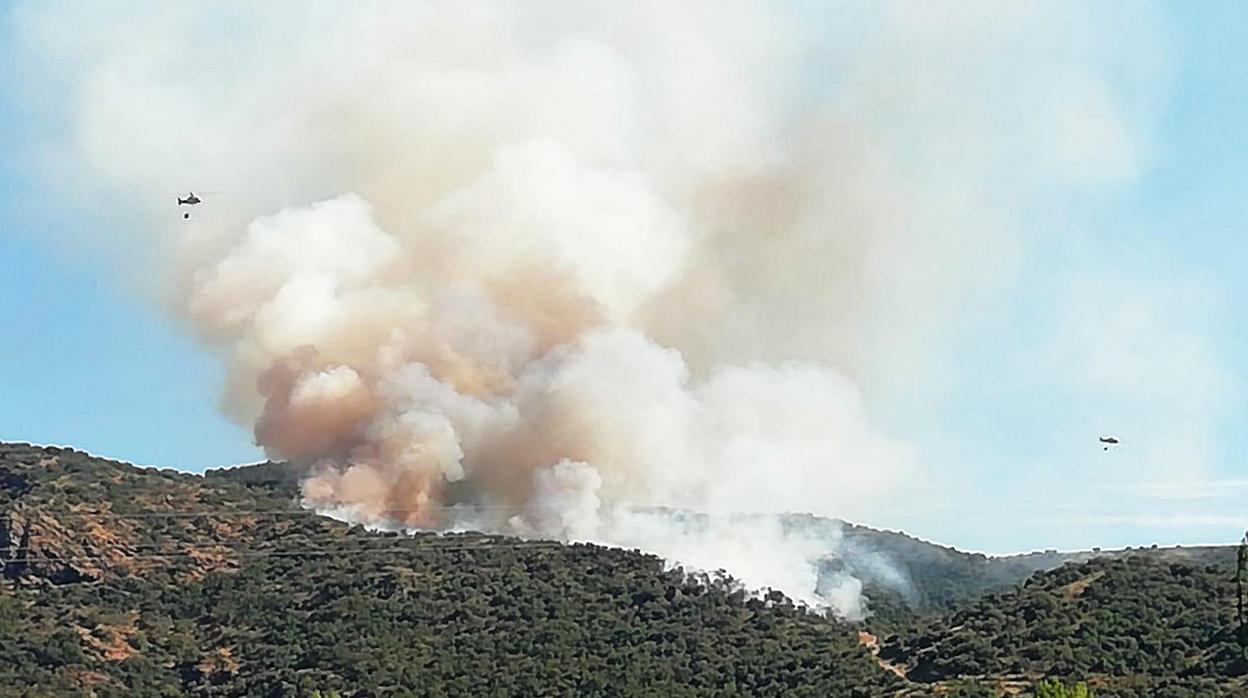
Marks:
<point>543,268</point>
<point>515,384</point>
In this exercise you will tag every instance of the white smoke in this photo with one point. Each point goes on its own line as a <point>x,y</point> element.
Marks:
<point>543,266</point>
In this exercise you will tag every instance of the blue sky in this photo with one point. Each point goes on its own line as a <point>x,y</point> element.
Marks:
<point>87,361</point>
<point>1180,226</point>
<point>87,366</point>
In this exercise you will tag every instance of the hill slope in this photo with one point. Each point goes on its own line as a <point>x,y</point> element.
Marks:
<point>906,577</point>
<point>111,587</point>
<point>124,581</point>
<point>1133,626</point>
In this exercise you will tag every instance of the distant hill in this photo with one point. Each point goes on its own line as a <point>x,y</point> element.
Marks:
<point>908,577</point>
<point>278,479</point>
<point>938,579</point>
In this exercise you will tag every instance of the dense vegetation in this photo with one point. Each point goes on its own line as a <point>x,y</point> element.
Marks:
<point>124,581</point>
<point>310,605</point>
<point>493,621</point>
<point>924,579</point>
<point>1134,626</point>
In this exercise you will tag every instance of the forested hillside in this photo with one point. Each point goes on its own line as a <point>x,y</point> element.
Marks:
<point>1135,626</point>
<point>112,588</point>
<point>125,581</point>
<point>908,578</point>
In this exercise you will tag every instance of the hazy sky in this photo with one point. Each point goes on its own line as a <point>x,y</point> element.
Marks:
<point>1126,317</point>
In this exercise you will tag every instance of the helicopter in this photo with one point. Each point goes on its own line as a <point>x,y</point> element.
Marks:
<point>1108,441</point>
<point>192,199</point>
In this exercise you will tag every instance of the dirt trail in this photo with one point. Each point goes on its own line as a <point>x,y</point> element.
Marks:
<point>872,643</point>
<point>1005,685</point>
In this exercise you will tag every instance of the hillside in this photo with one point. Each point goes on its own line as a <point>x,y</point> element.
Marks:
<point>123,581</point>
<point>1129,626</point>
<point>934,578</point>
<point>906,577</point>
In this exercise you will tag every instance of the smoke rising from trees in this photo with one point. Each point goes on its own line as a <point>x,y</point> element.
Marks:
<point>543,268</point>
